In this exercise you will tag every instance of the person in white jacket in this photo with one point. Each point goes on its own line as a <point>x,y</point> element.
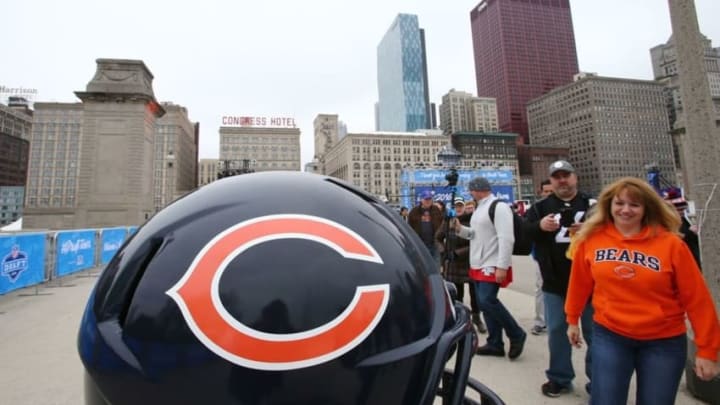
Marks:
<point>491,245</point>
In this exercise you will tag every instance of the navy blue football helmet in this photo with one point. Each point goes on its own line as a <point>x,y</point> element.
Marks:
<point>276,288</point>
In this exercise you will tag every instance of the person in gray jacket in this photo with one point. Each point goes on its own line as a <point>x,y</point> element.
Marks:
<point>491,245</point>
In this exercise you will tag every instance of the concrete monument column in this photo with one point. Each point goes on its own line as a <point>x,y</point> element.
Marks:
<point>700,152</point>
<point>116,175</point>
<point>700,158</point>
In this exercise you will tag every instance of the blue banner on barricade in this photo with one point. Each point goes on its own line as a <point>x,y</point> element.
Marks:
<point>504,193</point>
<point>111,240</point>
<point>132,230</point>
<point>23,261</point>
<point>414,181</point>
<point>436,176</point>
<point>75,251</point>
<point>444,193</point>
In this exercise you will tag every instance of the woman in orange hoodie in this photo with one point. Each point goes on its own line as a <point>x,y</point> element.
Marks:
<point>643,281</point>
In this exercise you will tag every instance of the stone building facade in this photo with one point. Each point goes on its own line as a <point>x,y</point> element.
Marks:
<point>462,112</point>
<point>373,161</point>
<point>612,127</point>
<point>176,149</point>
<point>261,148</point>
<point>52,184</point>
<point>208,170</point>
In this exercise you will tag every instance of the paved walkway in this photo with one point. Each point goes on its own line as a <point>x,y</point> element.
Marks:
<point>40,364</point>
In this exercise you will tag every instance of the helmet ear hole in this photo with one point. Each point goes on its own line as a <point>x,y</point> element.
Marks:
<point>452,290</point>
<point>116,287</point>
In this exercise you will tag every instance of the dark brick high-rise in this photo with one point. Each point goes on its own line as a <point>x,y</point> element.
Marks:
<point>523,49</point>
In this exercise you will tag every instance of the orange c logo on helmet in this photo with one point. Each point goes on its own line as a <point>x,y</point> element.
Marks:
<point>197,295</point>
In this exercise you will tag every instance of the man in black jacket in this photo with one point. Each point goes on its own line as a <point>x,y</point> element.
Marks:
<point>688,230</point>
<point>550,222</point>
<point>425,219</point>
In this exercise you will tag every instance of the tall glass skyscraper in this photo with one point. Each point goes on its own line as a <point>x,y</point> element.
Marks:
<point>403,100</point>
<point>523,49</point>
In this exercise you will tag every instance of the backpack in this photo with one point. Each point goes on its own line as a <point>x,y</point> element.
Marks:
<point>523,244</point>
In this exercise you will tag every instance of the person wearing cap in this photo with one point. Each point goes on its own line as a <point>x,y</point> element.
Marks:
<point>549,224</point>
<point>459,204</point>
<point>455,270</point>
<point>688,230</point>
<point>425,219</point>
<point>491,245</point>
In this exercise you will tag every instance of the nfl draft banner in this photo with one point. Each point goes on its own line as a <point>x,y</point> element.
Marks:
<point>22,261</point>
<point>111,240</point>
<point>414,181</point>
<point>75,251</point>
<point>435,176</point>
<point>444,194</point>
<point>440,193</point>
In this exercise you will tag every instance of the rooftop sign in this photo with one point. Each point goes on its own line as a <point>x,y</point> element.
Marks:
<point>26,93</point>
<point>248,121</point>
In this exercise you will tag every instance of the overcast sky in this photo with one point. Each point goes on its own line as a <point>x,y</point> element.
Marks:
<point>288,57</point>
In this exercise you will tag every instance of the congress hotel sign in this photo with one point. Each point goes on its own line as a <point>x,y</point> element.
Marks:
<point>275,122</point>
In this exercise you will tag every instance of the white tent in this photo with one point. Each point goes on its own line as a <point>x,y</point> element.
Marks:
<point>15,226</point>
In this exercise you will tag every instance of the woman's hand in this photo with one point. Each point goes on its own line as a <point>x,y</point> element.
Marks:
<point>573,333</point>
<point>706,369</point>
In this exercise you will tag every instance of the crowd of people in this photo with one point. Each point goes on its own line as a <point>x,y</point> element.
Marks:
<point>619,274</point>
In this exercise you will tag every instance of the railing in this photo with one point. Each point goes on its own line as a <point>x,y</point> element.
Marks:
<point>33,258</point>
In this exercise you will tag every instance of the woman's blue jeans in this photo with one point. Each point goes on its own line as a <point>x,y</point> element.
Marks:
<point>658,363</point>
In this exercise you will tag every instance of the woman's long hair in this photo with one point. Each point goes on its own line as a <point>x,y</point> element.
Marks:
<point>657,212</point>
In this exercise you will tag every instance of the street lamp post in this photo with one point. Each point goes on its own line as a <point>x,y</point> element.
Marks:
<point>449,157</point>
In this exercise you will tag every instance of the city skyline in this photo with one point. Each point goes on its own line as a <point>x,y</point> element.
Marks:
<point>215,61</point>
